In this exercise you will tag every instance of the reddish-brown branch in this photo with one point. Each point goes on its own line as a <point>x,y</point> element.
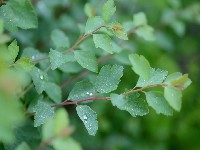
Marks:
<point>107,98</point>
<point>80,101</point>
<point>144,88</point>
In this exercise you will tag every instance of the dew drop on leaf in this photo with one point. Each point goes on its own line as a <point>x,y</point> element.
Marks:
<point>41,77</point>
<point>32,57</point>
<point>85,117</point>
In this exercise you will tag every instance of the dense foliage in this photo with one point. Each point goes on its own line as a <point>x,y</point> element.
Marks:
<point>72,69</point>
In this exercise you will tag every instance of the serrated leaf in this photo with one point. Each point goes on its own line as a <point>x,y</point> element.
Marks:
<point>108,78</point>
<point>24,63</point>
<point>139,19</point>
<point>23,146</point>
<point>121,34</point>
<point>18,13</point>
<point>156,77</point>
<point>57,59</point>
<point>132,103</point>
<point>86,59</point>
<point>157,101</point>
<point>108,10</point>
<point>178,80</point>
<point>39,79</point>
<point>140,65</point>
<point>89,118</point>
<point>103,41</point>
<point>182,82</point>
<point>173,96</point>
<point>59,39</point>
<point>63,143</point>
<point>146,32</point>
<point>43,112</point>
<point>13,50</point>
<point>81,90</point>
<point>119,31</point>
<point>32,53</point>
<point>93,23</point>
<point>53,91</point>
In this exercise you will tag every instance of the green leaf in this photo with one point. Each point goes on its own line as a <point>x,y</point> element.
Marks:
<point>157,101</point>
<point>53,91</point>
<point>39,79</point>
<point>88,10</point>
<point>63,143</point>
<point>59,39</point>
<point>1,26</point>
<point>108,78</point>
<point>172,77</point>
<point>132,103</point>
<point>61,120</point>
<point>13,50</point>
<point>71,67</point>
<point>108,10</point>
<point>146,32</point>
<point>93,23</point>
<point>11,115</point>
<point>56,125</point>
<point>23,146</point>
<point>32,53</point>
<point>57,59</point>
<point>178,80</point>
<point>139,19</point>
<point>119,31</point>
<point>24,63</point>
<point>46,127</point>
<point>89,118</point>
<point>140,65</point>
<point>86,59</point>
<point>18,13</point>
<point>43,112</point>
<point>81,90</point>
<point>173,96</point>
<point>156,77</point>
<point>4,38</point>
<point>103,41</point>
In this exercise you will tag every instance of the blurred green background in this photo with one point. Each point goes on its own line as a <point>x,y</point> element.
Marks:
<point>177,48</point>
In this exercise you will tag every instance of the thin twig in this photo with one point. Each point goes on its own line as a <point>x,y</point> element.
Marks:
<point>80,101</point>
<point>80,39</point>
<point>106,98</point>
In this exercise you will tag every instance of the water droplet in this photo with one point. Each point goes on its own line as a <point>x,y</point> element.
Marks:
<point>91,94</point>
<point>32,57</point>
<point>41,77</point>
<point>87,93</point>
<point>85,117</point>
